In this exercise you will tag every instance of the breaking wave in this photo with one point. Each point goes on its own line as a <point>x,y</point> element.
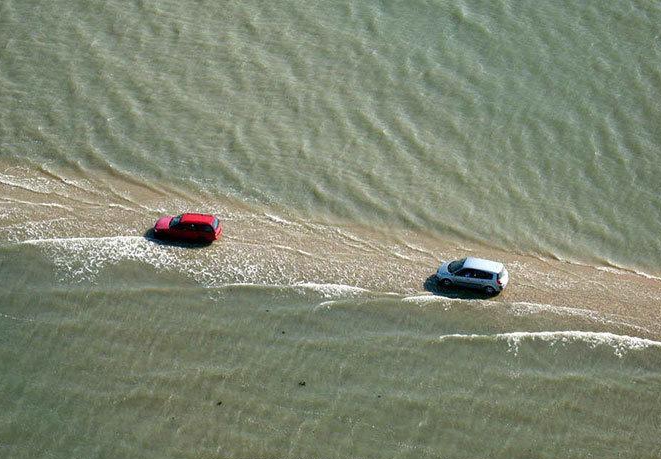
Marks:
<point>621,344</point>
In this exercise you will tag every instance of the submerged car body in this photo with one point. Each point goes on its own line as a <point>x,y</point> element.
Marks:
<point>189,227</point>
<point>478,273</point>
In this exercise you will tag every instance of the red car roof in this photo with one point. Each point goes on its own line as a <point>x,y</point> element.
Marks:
<point>197,219</point>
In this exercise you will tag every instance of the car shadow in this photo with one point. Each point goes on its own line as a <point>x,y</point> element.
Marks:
<point>149,235</point>
<point>433,286</point>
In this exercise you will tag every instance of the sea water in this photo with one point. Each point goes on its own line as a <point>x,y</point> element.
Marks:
<point>348,147</point>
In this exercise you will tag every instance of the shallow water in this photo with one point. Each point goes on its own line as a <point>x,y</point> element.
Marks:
<point>348,148</point>
<point>530,127</point>
<point>142,362</point>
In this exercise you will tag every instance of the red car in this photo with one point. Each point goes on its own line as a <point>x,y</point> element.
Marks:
<point>189,227</point>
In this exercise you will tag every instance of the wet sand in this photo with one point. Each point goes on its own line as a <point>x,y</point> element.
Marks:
<point>265,246</point>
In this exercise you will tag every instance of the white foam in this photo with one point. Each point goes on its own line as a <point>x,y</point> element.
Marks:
<point>402,257</point>
<point>361,242</point>
<point>18,232</point>
<point>425,299</point>
<point>421,250</point>
<point>121,207</point>
<point>35,185</point>
<point>325,304</point>
<point>42,204</point>
<point>292,249</point>
<point>615,269</point>
<point>648,276</point>
<point>80,258</point>
<point>333,290</point>
<point>73,240</point>
<point>276,219</point>
<point>621,344</point>
<point>611,270</point>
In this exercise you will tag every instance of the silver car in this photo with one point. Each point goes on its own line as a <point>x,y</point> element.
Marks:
<point>486,275</point>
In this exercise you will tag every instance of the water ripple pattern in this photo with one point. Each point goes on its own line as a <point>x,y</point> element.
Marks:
<point>530,127</point>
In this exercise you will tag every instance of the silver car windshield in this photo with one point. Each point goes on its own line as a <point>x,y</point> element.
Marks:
<point>456,265</point>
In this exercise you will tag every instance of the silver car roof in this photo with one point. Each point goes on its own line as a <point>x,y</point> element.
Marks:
<point>483,265</point>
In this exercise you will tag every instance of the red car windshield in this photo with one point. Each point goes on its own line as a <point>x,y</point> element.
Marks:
<point>175,221</point>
